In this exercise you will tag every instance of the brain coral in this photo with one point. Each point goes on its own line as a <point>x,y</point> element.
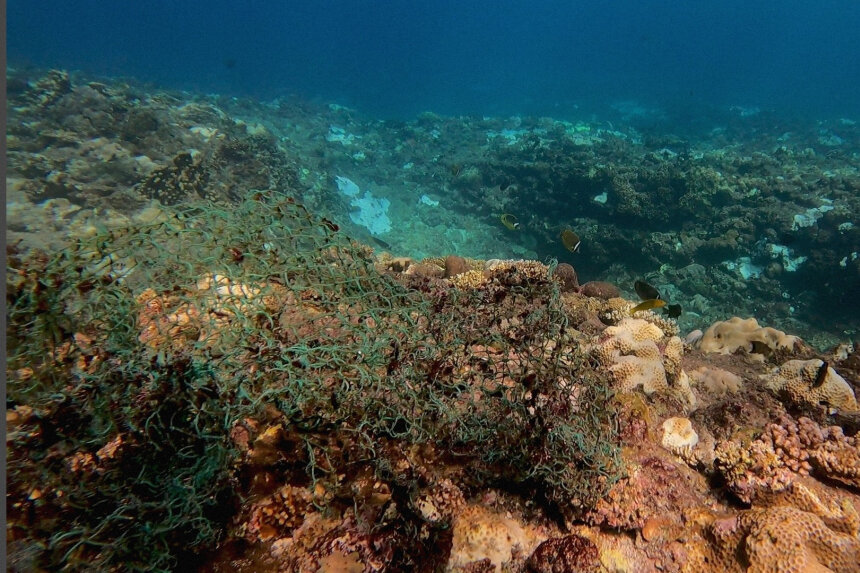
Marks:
<point>811,383</point>
<point>480,534</point>
<point>805,529</point>
<point>725,337</point>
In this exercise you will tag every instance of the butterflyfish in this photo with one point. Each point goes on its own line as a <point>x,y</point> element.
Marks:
<point>646,291</point>
<point>648,305</point>
<point>510,221</point>
<point>570,240</point>
<point>673,310</point>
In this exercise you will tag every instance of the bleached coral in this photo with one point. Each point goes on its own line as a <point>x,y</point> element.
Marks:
<point>679,437</point>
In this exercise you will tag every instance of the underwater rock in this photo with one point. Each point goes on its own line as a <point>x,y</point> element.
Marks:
<point>566,275</point>
<point>600,289</point>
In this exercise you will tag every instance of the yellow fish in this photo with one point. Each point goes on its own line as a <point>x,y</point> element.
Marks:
<point>510,222</point>
<point>648,305</point>
<point>570,240</point>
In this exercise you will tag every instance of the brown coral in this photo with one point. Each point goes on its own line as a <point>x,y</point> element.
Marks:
<point>599,289</point>
<point>455,265</point>
<point>725,337</point>
<point>565,274</point>
<point>784,451</point>
<point>811,383</point>
<point>563,555</point>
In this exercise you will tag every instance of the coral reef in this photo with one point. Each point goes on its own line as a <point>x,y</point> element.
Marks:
<point>785,450</point>
<point>727,336</point>
<point>810,384</point>
<point>208,370</point>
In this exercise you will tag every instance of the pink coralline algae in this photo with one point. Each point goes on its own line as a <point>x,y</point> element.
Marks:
<point>785,450</point>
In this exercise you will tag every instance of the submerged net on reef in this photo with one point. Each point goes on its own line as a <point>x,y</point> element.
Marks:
<point>134,356</point>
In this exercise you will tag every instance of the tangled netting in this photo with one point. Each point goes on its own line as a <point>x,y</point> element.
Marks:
<point>134,354</point>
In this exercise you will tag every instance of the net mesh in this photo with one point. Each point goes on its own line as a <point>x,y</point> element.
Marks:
<point>140,349</point>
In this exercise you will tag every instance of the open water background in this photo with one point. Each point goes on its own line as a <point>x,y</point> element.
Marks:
<point>397,58</point>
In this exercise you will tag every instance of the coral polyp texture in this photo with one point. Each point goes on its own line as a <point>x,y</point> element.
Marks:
<point>812,383</point>
<point>214,366</point>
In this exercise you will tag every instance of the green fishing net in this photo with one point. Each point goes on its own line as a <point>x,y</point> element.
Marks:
<point>135,353</point>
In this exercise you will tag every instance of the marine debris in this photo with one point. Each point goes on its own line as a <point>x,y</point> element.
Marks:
<point>209,371</point>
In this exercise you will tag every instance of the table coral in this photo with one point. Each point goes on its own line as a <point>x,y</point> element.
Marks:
<point>804,383</point>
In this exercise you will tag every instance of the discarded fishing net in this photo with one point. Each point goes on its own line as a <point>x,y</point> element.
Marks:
<point>135,355</point>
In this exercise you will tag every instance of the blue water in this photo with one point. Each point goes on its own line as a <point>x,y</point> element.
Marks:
<point>398,58</point>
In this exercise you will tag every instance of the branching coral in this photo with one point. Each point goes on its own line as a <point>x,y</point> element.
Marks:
<point>785,450</point>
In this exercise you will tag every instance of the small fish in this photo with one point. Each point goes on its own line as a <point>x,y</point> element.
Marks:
<point>759,347</point>
<point>381,243</point>
<point>648,305</point>
<point>673,310</point>
<point>821,376</point>
<point>570,240</point>
<point>646,291</point>
<point>509,221</point>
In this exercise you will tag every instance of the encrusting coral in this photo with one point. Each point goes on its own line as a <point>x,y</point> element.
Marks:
<point>801,530</point>
<point>810,384</point>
